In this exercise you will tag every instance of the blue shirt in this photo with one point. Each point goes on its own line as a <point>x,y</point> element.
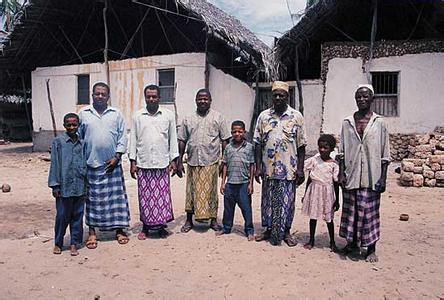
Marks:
<point>104,135</point>
<point>238,161</point>
<point>67,173</point>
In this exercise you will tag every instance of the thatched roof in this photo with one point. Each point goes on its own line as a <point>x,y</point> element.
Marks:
<point>351,20</point>
<point>13,99</point>
<point>61,32</point>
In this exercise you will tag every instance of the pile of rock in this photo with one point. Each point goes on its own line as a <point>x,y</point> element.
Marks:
<point>426,165</point>
<point>400,145</point>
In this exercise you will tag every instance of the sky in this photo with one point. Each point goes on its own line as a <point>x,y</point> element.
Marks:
<point>265,18</point>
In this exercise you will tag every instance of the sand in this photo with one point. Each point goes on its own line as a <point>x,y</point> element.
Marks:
<point>199,264</point>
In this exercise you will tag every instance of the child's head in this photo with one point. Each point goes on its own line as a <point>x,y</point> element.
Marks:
<point>238,130</point>
<point>326,144</point>
<point>71,123</point>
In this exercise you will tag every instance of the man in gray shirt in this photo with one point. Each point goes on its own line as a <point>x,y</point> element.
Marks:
<point>202,134</point>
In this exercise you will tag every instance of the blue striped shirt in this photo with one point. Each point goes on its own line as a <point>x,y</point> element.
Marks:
<point>238,161</point>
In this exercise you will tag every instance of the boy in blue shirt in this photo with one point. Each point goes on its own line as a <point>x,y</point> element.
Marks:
<point>67,178</point>
<point>238,171</point>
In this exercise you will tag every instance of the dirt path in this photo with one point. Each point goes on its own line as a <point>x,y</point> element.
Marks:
<point>198,264</point>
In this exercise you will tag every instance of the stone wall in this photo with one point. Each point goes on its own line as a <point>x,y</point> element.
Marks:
<point>400,145</point>
<point>425,167</point>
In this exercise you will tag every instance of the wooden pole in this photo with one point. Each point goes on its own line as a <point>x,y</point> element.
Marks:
<point>207,65</point>
<point>105,50</point>
<point>51,109</point>
<point>28,119</point>
<point>372,40</point>
<point>298,81</point>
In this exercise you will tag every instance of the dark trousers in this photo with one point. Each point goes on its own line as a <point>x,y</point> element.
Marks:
<point>69,212</point>
<point>237,193</point>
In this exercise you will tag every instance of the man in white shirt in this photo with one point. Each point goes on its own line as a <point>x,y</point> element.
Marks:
<point>153,153</point>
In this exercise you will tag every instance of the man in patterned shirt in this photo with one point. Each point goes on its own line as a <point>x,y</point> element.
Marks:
<point>280,152</point>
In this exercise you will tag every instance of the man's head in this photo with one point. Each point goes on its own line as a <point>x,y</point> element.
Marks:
<point>280,93</point>
<point>152,97</point>
<point>71,123</point>
<point>203,100</point>
<point>364,97</point>
<point>100,95</point>
<point>238,131</point>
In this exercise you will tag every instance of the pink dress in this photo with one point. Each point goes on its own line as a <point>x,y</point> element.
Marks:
<point>320,197</point>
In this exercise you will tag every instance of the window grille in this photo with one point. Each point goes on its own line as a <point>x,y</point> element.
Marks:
<point>83,94</point>
<point>166,85</point>
<point>385,100</point>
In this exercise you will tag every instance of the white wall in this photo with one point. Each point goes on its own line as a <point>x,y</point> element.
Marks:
<point>421,90</point>
<point>312,96</point>
<point>232,97</point>
<point>127,80</point>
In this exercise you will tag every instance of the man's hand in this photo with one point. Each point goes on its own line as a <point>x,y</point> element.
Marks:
<point>222,188</point>
<point>180,170</point>
<point>300,177</point>
<point>336,205</point>
<point>258,175</point>
<point>56,193</point>
<point>111,164</point>
<point>342,179</point>
<point>250,189</point>
<point>133,170</point>
<point>173,167</point>
<point>381,185</point>
<point>221,169</point>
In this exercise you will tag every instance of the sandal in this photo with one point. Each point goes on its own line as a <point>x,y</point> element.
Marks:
<point>57,250</point>
<point>74,251</point>
<point>91,243</point>
<point>186,227</point>
<point>263,236</point>
<point>290,240</point>
<point>122,238</point>
<point>141,236</point>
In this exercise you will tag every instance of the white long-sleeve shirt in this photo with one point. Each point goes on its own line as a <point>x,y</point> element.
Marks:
<point>153,139</point>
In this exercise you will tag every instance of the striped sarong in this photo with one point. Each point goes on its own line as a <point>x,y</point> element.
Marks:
<point>201,191</point>
<point>278,206</point>
<point>154,196</point>
<point>107,203</point>
<point>360,206</point>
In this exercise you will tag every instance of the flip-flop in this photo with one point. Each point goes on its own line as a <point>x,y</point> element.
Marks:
<point>290,241</point>
<point>57,250</point>
<point>91,243</point>
<point>74,252</point>
<point>122,238</point>
<point>186,227</point>
<point>141,236</point>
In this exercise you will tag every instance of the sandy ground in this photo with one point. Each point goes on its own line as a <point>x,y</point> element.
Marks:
<point>199,264</point>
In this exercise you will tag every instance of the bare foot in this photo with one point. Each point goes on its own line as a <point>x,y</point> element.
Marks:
<point>73,250</point>
<point>57,250</point>
<point>372,258</point>
<point>251,237</point>
<point>308,246</point>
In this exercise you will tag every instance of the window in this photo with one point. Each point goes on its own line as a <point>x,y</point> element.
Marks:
<point>83,89</point>
<point>385,100</point>
<point>166,85</point>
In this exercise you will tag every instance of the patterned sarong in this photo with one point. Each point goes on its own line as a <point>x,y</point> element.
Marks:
<point>201,192</point>
<point>278,197</point>
<point>366,202</point>
<point>154,196</point>
<point>107,203</point>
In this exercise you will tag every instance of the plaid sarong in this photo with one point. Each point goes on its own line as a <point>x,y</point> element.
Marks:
<point>361,206</point>
<point>107,203</point>
<point>201,191</point>
<point>277,206</point>
<point>154,196</point>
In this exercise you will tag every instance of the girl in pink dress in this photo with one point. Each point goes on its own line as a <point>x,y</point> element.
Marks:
<point>321,194</point>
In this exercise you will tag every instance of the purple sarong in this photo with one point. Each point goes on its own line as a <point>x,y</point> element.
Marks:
<point>362,206</point>
<point>154,196</point>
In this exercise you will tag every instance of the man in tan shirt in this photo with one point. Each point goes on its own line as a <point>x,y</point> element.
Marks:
<point>202,134</point>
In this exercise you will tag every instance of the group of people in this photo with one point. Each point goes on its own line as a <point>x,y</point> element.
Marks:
<point>86,167</point>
